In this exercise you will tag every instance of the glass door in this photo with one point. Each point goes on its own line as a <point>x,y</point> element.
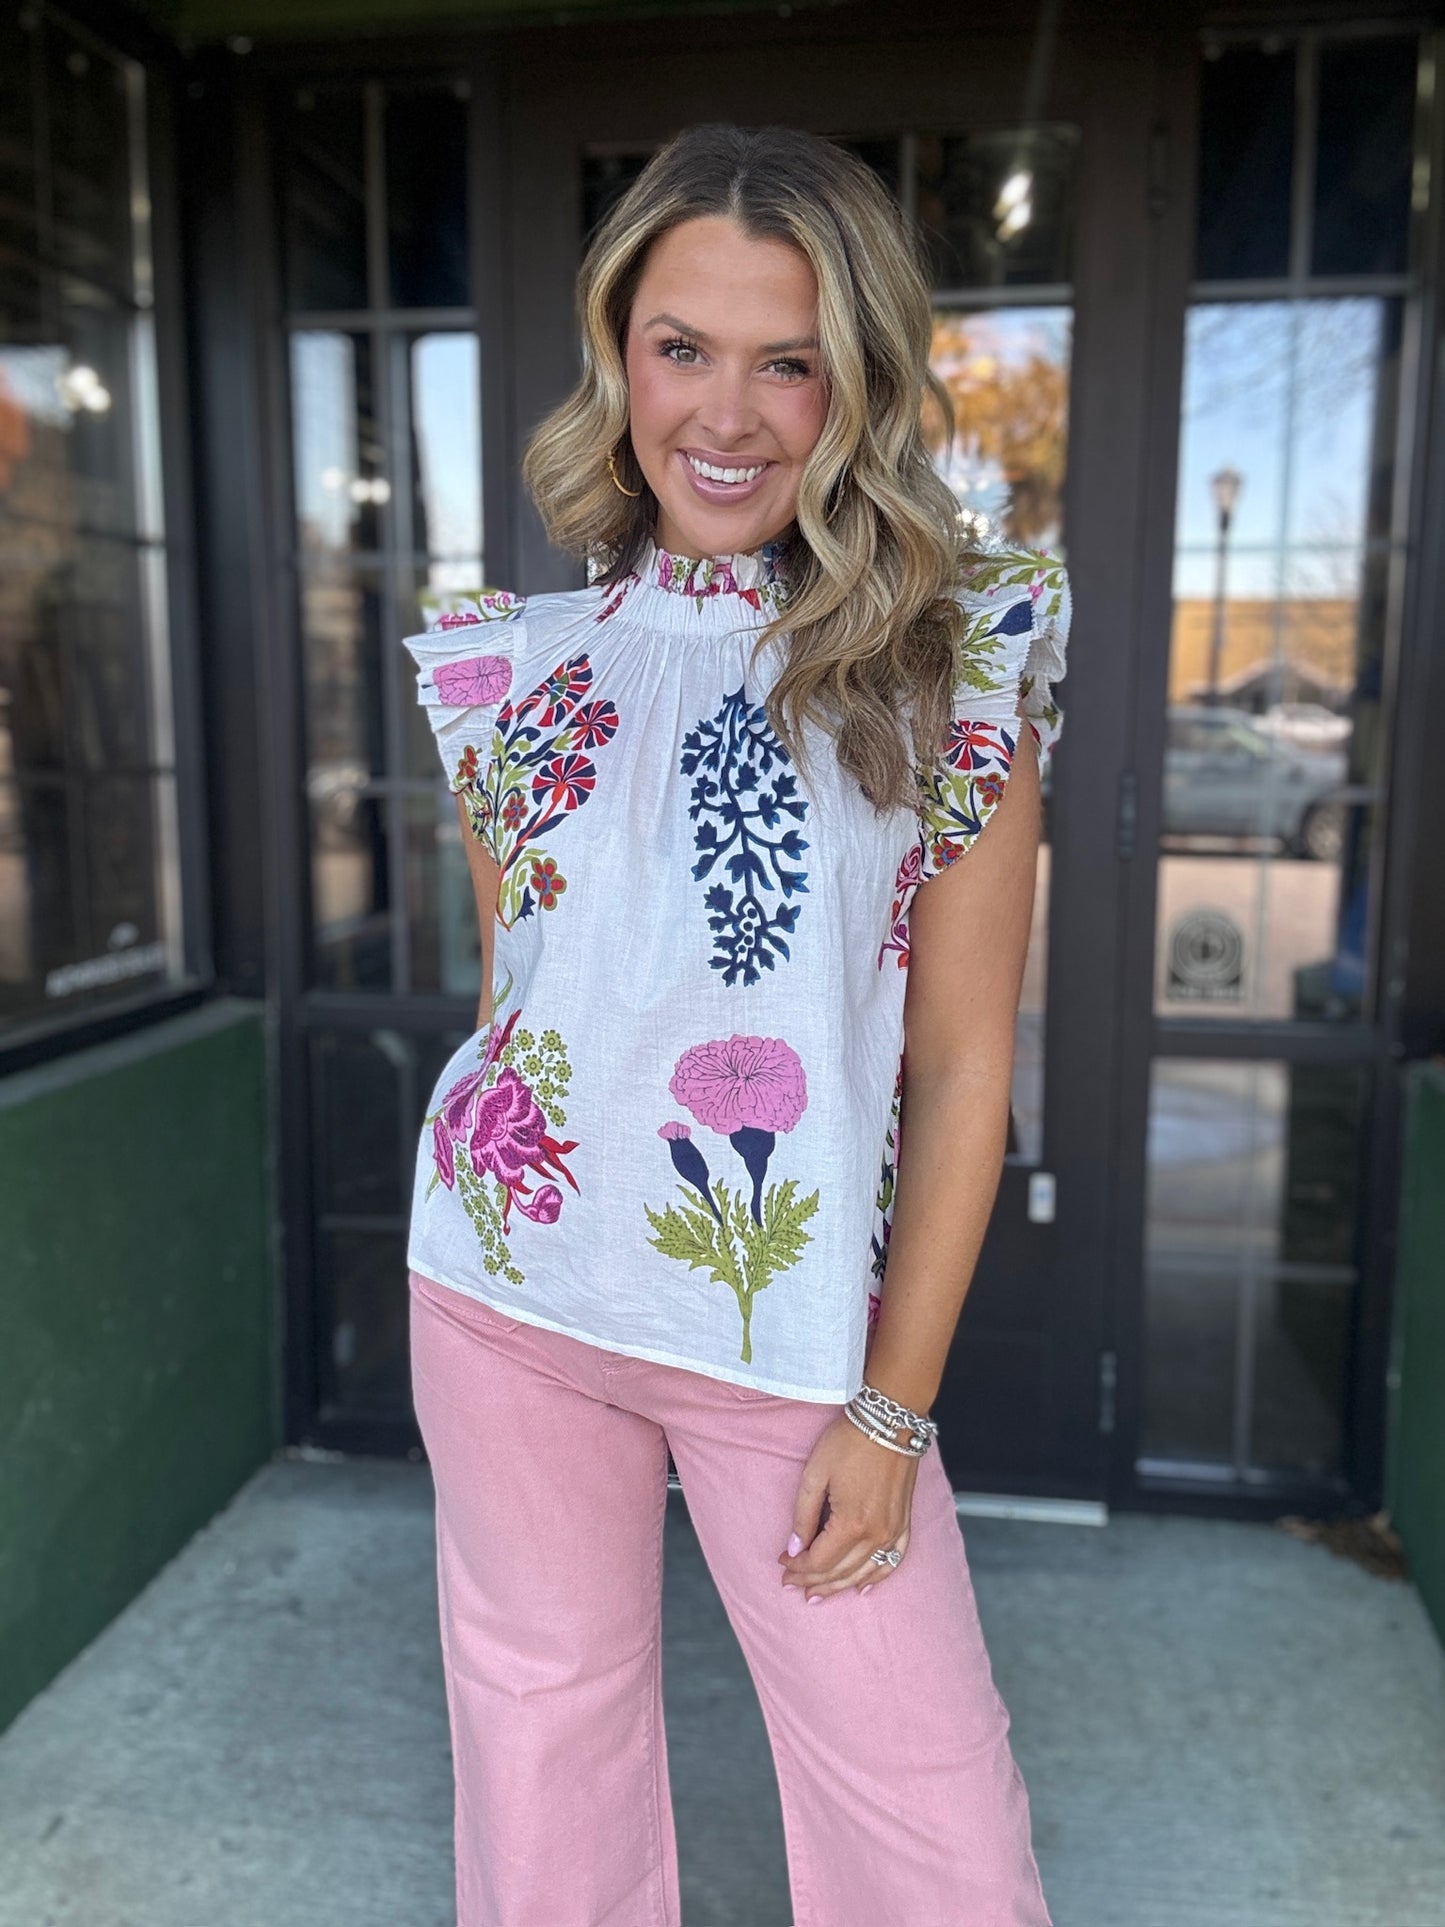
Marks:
<point>1289,561</point>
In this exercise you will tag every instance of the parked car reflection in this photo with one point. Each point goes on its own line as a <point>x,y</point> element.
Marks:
<point>1226,776</point>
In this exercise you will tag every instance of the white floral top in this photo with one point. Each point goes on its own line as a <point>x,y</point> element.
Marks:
<point>677,1137</point>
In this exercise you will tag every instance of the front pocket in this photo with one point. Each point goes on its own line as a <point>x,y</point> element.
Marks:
<point>747,1394</point>
<point>462,1304</point>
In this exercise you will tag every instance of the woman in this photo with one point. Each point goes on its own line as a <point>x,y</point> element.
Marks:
<point>649,1210</point>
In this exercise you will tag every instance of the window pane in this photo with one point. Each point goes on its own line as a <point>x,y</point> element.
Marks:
<point>68,453</point>
<point>446,457</point>
<point>606,177</point>
<point>1007,371</point>
<point>1363,160</point>
<point>88,126</point>
<point>323,185</point>
<point>426,187</point>
<point>1250,1249</point>
<point>343,624</point>
<point>1246,162</point>
<point>350,889</point>
<point>997,208</point>
<point>442,913</point>
<point>340,477</point>
<point>359,1153</point>
<point>361,1286</point>
<point>19,89</point>
<point>1273,748</point>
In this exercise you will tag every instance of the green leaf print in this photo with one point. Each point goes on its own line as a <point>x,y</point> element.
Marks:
<point>738,1251</point>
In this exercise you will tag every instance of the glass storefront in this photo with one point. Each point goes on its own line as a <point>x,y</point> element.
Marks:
<point>1289,563</point>
<point>90,892</point>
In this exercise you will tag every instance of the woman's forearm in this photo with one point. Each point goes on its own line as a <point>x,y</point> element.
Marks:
<point>951,1150</point>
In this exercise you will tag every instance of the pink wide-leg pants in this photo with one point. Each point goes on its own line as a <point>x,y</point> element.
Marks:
<point>902,1803</point>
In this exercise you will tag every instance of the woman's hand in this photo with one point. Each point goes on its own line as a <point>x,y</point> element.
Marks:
<point>868,1491</point>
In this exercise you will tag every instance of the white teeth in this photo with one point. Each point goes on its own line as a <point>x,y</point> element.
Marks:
<point>715,474</point>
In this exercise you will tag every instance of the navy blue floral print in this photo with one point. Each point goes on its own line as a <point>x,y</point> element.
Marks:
<point>742,829</point>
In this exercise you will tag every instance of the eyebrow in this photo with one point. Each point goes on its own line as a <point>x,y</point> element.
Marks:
<point>767,347</point>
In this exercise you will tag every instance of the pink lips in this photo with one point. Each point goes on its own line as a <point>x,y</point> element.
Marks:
<point>723,491</point>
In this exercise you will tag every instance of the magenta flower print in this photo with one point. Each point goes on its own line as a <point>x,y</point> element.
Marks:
<point>478,680</point>
<point>494,1137</point>
<point>747,1089</point>
<point>739,1081</point>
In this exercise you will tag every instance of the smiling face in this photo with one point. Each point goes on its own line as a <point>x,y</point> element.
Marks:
<point>725,384</point>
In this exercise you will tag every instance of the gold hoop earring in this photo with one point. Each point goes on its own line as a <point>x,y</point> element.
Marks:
<point>612,471</point>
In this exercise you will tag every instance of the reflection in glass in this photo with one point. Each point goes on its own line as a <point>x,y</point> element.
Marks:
<point>426,196</point>
<point>445,374</point>
<point>1363,159</point>
<point>350,888</point>
<point>323,182</point>
<point>361,1286</point>
<point>1007,371</point>
<point>442,912</point>
<point>342,629</point>
<point>1249,1263</point>
<point>1273,738</point>
<point>359,1157</point>
<point>87,124</point>
<point>997,208</point>
<point>340,476</point>
<point>1246,161</point>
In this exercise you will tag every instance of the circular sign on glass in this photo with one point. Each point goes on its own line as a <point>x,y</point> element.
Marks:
<point>1206,959</point>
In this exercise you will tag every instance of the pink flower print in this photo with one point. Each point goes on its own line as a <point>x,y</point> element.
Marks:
<point>875,1305</point>
<point>545,1207</point>
<point>735,1082</point>
<point>480,679</point>
<point>443,1156</point>
<point>507,1129</point>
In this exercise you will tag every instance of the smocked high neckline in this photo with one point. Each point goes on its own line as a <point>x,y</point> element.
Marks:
<point>732,574</point>
<point>687,596</point>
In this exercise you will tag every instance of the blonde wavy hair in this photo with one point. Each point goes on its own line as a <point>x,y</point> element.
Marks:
<point>871,564</point>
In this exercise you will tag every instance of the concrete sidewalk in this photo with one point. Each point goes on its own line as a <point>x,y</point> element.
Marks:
<point>1219,1727</point>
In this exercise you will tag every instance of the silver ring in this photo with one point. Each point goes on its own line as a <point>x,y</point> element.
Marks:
<point>886,1556</point>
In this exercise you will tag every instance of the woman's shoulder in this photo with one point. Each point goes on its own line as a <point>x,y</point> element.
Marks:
<point>499,620</point>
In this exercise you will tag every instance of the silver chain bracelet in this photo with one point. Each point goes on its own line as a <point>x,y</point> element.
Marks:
<point>879,1417</point>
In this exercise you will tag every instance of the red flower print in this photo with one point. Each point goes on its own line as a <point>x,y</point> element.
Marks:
<point>558,694</point>
<point>594,724</point>
<point>468,765</point>
<point>972,744</point>
<point>988,789</point>
<point>564,782</point>
<point>546,882</point>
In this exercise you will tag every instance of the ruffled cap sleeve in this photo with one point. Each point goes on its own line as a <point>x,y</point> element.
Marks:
<point>1017,609</point>
<point>464,661</point>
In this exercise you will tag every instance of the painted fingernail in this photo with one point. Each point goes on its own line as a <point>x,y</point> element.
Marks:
<point>795,1546</point>
<point>867,1588</point>
<point>815,1599</point>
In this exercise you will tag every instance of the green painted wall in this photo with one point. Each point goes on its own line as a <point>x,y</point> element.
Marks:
<point>1415,1478</point>
<point>139,1382</point>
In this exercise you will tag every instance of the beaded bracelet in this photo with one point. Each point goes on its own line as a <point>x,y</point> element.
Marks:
<point>879,1417</point>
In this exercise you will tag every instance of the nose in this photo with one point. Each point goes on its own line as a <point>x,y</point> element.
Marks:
<point>726,415</point>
